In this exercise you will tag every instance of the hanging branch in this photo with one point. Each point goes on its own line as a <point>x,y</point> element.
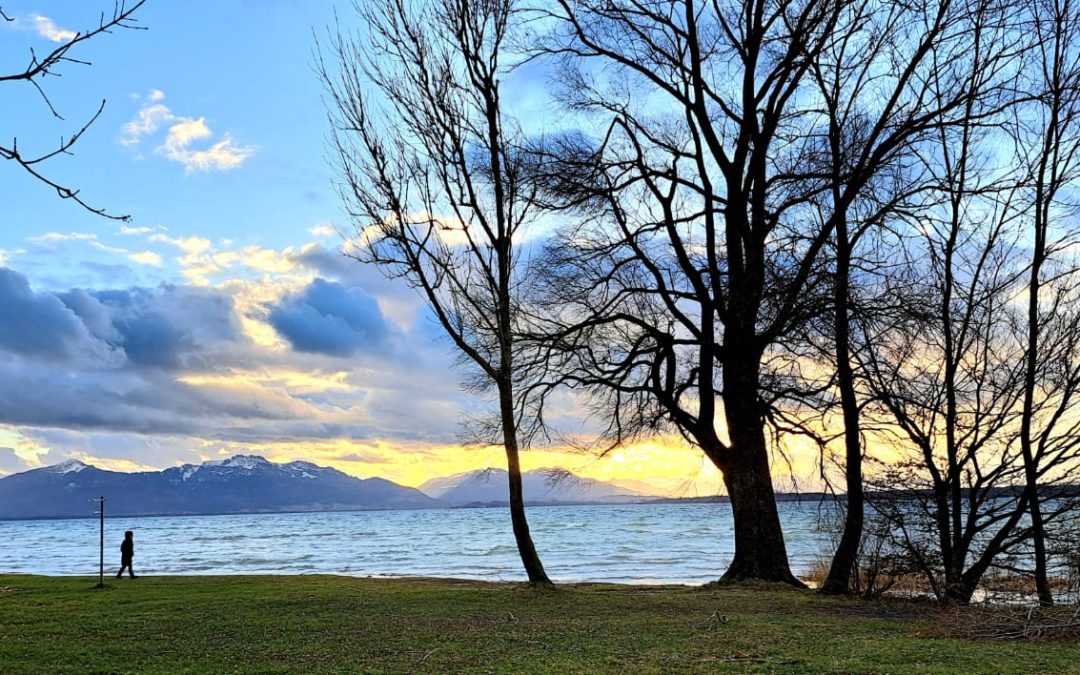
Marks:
<point>41,66</point>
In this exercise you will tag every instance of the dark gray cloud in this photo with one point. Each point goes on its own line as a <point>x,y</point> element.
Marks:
<point>328,318</point>
<point>173,362</point>
<point>168,327</point>
<point>36,324</point>
<point>333,265</point>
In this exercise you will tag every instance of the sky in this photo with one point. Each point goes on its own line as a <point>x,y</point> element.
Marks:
<point>223,318</point>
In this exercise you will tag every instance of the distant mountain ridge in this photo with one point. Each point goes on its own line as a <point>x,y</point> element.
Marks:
<point>240,484</point>
<point>253,484</point>
<point>540,486</point>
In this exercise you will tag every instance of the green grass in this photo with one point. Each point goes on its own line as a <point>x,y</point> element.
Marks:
<point>326,623</point>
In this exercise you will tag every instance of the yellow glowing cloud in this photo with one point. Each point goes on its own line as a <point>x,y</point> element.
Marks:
<point>294,381</point>
<point>146,258</point>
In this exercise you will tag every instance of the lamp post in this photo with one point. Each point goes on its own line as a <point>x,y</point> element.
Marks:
<point>101,541</point>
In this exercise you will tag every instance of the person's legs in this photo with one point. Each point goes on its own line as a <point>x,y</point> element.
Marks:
<point>131,570</point>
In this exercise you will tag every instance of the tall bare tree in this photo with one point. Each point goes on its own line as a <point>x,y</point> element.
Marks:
<point>1049,129</point>
<point>978,371</point>
<point>38,69</point>
<point>878,119</point>
<point>701,256</point>
<point>434,185</point>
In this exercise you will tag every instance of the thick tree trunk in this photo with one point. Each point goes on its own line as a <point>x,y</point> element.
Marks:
<point>529,557</point>
<point>960,591</point>
<point>760,552</point>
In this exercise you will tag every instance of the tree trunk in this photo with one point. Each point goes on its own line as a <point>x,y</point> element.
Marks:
<point>1038,532</point>
<point>760,552</point>
<point>529,557</point>
<point>1031,475</point>
<point>838,581</point>
<point>960,591</point>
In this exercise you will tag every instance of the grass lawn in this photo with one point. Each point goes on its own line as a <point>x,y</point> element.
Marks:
<point>328,623</point>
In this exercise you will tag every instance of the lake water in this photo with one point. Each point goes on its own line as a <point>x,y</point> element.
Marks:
<point>637,543</point>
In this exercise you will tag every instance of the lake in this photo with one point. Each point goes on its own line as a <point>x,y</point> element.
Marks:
<point>633,543</point>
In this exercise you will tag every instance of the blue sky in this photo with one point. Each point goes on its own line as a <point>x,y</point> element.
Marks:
<point>223,317</point>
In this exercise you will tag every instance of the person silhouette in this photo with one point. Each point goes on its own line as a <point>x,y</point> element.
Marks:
<point>127,552</point>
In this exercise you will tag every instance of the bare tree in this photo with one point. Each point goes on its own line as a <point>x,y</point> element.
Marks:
<point>36,72</point>
<point>709,204</point>
<point>878,117</point>
<point>1049,128</point>
<point>944,368</point>
<point>978,372</point>
<point>432,181</point>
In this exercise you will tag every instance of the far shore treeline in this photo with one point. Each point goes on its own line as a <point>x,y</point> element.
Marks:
<point>848,224</point>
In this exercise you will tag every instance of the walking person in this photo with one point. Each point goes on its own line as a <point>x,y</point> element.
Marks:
<point>127,552</point>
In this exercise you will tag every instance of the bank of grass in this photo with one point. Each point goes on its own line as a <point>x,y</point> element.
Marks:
<point>328,623</point>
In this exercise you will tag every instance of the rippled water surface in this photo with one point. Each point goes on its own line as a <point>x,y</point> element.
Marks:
<point>638,543</point>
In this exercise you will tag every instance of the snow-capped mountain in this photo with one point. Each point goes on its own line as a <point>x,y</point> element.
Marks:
<point>541,486</point>
<point>240,484</point>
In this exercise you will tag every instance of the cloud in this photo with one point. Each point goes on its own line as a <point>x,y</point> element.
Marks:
<point>202,260</point>
<point>129,231</point>
<point>397,300</point>
<point>35,324</point>
<point>183,361</point>
<point>57,237</point>
<point>185,132</point>
<point>146,258</point>
<point>170,327</point>
<point>182,137</point>
<point>47,28</point>
<point>221,156</point>
<point>322,230</point>
<point>147,120</point>
<point>189,245</point>
<point>10,462</point>
<point>328,318</point>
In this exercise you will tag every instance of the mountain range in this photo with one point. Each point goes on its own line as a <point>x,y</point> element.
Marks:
<point>541,486</point>
<point>252,484</point>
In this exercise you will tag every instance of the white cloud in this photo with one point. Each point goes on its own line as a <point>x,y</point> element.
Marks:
<point>147,121</point>
<point>185,132</point>
<point>322,230</point>
<point>135,231</point>
<point>221,156</point>
<point>53,237</point>
<point>47,28</point>
<point>182,137</point>
<point>146,258</point>
<point>189,245</point>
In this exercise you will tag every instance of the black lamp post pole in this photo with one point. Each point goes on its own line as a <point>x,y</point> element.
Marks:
<point>101,544</point>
